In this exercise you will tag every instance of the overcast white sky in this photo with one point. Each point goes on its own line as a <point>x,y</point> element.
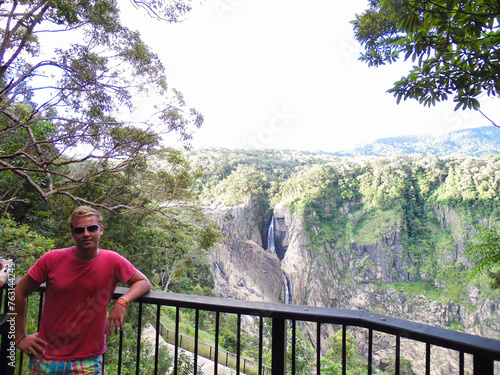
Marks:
<point>285,75</point>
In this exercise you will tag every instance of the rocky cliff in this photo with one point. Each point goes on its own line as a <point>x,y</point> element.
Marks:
<point>353,275</point>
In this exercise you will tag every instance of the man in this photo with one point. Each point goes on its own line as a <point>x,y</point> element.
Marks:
<point>80,282</point>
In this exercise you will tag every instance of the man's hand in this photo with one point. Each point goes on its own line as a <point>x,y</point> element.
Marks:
<point>32,345</point>
<point>114,324</point>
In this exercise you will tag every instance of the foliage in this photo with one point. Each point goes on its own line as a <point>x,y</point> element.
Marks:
<point>21,244</point>
<point>304,352</point>
<point>67,116</point>
<point>242,184</point>
<point>365,200</point>
<point>129,348</point>
<point>172,253</point>
<point>486,253</point>
<point>332,361</point>
<point>405,368</point>
<point>453,44</point>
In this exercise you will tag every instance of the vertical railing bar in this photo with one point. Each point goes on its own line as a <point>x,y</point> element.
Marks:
<point>120,350</point>
<point>39,314</point>
<point>6,338</point>
<point>40,308</point>
<point>261,343</point>
<point>344,349</point>
<point>427,358</point>
<point>157,343</point>
<point>21,363</point>
<point>370,351</point>
<point>216,359</point>
<point>238,344</point>
<point>176,348</point>
<point>278,346</point>
<point>294,341</point>
<point>139,334</point>
<point>398,348</point>
<point>461,360</point>
<point>196,321</point>
<point>482,365</point>
<point>318,348</point>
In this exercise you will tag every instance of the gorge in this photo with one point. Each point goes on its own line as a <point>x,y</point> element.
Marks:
<point>386,236</point>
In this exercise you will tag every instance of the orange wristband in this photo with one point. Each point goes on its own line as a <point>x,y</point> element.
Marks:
<point>126,300</point>
<point>121,303</point>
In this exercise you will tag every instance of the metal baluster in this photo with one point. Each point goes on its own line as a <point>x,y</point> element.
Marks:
<point>157,343</point>
<point>344,349</point>
<point>176,349</point>
<point>427,359</point>
<point>139,333</point>
<point>216,359</point>
<point>370,351</point>
<point>196,321</point>
<point>261,343</point>
<point>278,346</point>
<point>294,342</point>
<point>120,350</point>
<point>318,348</point>
<point>238,345</point>
<point>398,348</point>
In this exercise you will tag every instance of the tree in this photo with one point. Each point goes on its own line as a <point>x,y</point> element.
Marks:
<point>21,244</point>
<point>455,44</point>
<point>67,115</point>
<point>486,253</point>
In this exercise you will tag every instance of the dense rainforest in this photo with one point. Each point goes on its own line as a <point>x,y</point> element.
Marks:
<point>344,199</point>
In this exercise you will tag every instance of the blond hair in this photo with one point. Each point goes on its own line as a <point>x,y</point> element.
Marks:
<point>82,211</point>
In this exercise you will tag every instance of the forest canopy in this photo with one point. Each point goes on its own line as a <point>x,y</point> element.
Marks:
<point>65,113</point>
<point>454,46</point>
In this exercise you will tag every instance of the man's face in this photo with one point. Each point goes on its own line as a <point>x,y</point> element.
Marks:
<point>86,234</point>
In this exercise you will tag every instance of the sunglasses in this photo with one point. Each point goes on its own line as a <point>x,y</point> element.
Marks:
<point>90,229</point>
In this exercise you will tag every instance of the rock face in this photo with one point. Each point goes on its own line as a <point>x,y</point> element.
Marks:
<point>242,268</point>
<point>344,276</point>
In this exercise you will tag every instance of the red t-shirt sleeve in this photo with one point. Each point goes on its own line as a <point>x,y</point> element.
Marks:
<point>40,270</point>
<point>124,269</point>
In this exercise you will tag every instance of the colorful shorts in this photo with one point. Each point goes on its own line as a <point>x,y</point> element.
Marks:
<point>87,366</point>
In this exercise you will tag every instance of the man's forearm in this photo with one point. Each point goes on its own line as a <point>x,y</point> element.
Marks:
<point>138,289</point>
<point>20,311</point>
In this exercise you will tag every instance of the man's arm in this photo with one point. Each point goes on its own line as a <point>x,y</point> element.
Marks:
<point>139,285</point>
<point>32,345</point>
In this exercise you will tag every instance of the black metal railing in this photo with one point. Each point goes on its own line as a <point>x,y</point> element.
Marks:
<point>209,351</point>
<point>484,353</point>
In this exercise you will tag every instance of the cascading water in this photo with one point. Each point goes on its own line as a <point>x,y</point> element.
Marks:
<point>271,246</point>
<point>270,236</point>
<point>288,292</point>
<point>217,267</point>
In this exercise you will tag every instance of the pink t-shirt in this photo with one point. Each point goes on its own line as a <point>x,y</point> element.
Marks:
<point>76,300</point>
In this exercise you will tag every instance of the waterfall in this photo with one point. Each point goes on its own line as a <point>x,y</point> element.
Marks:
<point>271,246</point>
<point>217,267</point>
<point>270,236</point>
<point>288,293</point>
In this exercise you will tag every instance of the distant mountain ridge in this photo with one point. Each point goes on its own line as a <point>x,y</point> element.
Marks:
<point>467,142</point>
